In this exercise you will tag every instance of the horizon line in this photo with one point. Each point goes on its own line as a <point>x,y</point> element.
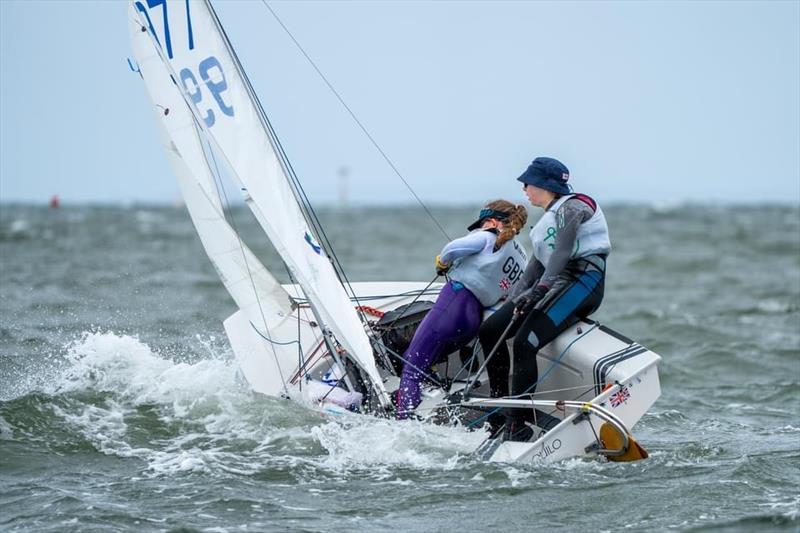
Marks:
<point>794,202</point>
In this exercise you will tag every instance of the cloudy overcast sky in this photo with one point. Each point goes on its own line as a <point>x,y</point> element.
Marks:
<point>654,102</point>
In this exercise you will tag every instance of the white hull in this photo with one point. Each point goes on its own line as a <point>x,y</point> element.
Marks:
<point>305,341</point>
<point>268,365</point>
<point>586,363</point>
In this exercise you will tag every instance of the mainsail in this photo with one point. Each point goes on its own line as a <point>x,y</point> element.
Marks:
<point>243,275</point>
<point>259,296</point>
<point>198,61</point>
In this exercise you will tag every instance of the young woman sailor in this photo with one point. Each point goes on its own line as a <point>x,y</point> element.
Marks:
<point>482,267</point>
<point>563,282</point>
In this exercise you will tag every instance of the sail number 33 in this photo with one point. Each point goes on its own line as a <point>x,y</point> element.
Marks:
<point>209,69</point>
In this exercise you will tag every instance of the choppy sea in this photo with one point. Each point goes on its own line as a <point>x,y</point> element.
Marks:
<point>121,408</point>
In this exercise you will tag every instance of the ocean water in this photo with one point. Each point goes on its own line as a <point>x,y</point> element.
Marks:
<point>121,408</point>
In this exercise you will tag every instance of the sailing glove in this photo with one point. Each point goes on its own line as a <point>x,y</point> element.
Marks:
<point>441,268</point>
<point>529,298</point>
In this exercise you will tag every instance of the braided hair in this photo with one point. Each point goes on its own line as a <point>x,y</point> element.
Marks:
<point>517,217</point>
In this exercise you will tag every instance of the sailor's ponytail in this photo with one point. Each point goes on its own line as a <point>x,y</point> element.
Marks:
<point>517,217</point>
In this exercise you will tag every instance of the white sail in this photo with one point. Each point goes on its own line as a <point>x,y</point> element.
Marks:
<point>198,57</point>
<point>201,96</point>
<point>256,292</point>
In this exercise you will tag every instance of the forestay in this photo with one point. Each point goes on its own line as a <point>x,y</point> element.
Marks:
<point>197,55</point>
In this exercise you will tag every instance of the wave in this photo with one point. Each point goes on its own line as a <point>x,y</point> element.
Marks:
<point>116,395</point>
<point>124,365</point>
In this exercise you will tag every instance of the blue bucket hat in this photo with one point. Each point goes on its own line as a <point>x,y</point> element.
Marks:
<point>549,174</point>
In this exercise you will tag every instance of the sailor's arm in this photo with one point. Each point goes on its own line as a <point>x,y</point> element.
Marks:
<point>466,245</point>
<point>526,283</point>
<point>569,217</point>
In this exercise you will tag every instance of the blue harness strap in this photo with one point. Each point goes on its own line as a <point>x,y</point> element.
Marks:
<point>456,285</point>
<point>569,300</point>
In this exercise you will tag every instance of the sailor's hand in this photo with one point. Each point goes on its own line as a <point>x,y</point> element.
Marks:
<point>527,300</point>
<point>441,268</point>
<point>539,292</point>
<point>522,304</point>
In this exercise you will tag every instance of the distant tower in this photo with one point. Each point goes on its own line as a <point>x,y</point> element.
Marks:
<point>55,202</point>
<point>344,175</point>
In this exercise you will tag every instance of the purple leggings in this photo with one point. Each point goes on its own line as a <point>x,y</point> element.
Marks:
<point>450,324</point>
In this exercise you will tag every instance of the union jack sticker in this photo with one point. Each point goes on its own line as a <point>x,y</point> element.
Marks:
<point>505,284</point>
<point>620,397</point>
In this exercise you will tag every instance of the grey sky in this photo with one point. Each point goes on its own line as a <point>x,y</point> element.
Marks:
<point>644,101</point>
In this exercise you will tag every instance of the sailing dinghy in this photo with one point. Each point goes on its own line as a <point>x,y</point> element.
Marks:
<point>323,340</point>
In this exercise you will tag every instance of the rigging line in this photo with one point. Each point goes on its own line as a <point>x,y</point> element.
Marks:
<point>216,176</point>
<point>299,297</point>
<point>301,361</point>
<point>469,363</point>
<point>297,188</point>
<point>553,364</point>
<point>313,356</point>
<point>271,137</point>
<point>596,437</point>
<point>300,358</point>
<point>532,385</point>
<point>219,185</point>
<point>373,297</point>
<point>550,391</point>
<point>312,217</point>
<point>409,363</point>
<point>428,286</point>
<point>303,201</point>
<point>360,125</point>
<point>272,341</point>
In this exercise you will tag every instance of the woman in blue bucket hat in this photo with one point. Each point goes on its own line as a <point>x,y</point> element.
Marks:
<point>562,282</point>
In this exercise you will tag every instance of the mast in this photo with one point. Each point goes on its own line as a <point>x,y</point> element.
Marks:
<point>293,182</point>
<point>284,162</point>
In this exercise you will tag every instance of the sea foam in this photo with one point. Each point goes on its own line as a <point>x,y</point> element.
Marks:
<point>105,361</point>
<point>217,426</point>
